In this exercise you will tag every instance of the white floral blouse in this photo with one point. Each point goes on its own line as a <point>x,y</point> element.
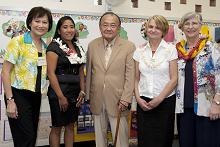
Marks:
<point>206,79</point>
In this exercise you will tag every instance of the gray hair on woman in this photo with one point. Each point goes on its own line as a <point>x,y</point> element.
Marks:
<point>188,16</point>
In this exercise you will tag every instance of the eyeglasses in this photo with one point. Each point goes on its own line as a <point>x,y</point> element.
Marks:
<point>111,26</point>
<point>192,24</point>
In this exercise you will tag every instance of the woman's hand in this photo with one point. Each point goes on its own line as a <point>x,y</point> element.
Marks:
<point>214,112</point>
<point>143,104</point>
<point>63,103</point>
<point>12,109</point>
<point>80,99</point>
<point>155,102</point>
<point>215,109</point>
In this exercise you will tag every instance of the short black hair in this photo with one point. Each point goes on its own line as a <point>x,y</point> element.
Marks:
<point>37,12</point>
<point>110,13</point>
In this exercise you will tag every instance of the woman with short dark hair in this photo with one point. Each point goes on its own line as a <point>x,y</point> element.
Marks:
<point>24,77</point>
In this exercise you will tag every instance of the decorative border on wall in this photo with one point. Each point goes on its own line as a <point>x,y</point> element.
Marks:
<point>95,18</point>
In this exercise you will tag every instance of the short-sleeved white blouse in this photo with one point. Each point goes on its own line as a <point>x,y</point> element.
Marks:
<point>154,70</point>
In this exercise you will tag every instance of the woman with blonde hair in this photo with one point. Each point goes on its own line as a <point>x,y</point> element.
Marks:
<point>155,81</point>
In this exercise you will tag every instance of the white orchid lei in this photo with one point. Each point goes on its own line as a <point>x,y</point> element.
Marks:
<point>74,57</point>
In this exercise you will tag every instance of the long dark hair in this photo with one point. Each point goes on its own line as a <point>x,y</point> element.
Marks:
<point>57,35</point>
<point>59,24</point>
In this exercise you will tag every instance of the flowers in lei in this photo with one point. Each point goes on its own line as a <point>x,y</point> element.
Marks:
<point>183,54</point>
<point>70,54</point>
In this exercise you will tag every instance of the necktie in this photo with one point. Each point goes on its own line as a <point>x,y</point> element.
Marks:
<point>108,52</point>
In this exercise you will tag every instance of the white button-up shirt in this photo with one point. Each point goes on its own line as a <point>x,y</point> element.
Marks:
<point>154,70</point>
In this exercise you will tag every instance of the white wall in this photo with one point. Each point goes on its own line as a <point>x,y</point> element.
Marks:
<point>78,6</point>
<point>146,8</point>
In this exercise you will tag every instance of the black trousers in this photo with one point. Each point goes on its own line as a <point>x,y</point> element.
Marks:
<point>156,127</point>
<point>197,131</point>
<point>24,128</point>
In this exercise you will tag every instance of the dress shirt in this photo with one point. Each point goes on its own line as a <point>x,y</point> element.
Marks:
<point>108,52</point>
<point>108,49</point>
<point>154,68</point>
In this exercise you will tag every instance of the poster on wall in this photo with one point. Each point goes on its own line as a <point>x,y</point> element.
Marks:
<point>217,34</point>
<point>170,34</point>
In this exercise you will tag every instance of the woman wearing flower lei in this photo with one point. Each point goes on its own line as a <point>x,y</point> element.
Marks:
<point>198,90</point>
<point>65,60</point>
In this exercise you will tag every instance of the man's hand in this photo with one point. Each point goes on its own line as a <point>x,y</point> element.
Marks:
<point>123,105</point>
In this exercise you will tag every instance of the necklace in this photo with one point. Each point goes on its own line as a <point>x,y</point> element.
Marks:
<point>71,55</point>
<point>183,54</point>
<point>154,62</point>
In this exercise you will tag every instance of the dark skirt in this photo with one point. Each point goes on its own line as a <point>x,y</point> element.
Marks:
<point>197,131</point>
<point>156,127</point>
<point>59,118</point>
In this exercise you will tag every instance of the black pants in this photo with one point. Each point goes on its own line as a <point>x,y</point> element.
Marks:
<point>156,127</point>
<point>197,131</point>
<point>24,128</point>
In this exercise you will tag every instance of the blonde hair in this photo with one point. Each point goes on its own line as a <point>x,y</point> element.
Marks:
<point>161,22</point>
<point>188,16</point>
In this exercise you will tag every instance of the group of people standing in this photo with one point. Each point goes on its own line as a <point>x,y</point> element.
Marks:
<point>185,78</point>
<point>28,61</point>
<point>161,76</point>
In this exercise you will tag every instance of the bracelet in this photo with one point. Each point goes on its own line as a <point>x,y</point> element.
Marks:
<point>10,99</point>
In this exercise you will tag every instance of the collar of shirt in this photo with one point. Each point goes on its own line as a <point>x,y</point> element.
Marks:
<point>112,43</point>
<point>28,39</point>
<point>163,44</point>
